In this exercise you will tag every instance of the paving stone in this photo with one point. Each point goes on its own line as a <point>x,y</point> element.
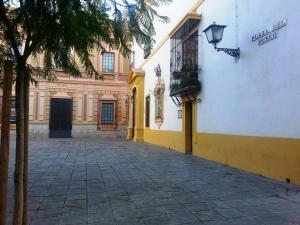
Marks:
<point>230,213</point>
<point>151,211</point>
<point>182,218</point>
<point>196,207</point>
<point>50,212</point>
<point>47,221</point>
<point>79,203</point>
<point>158,220</point>
<point>116,182</point>
<point>208,216</point>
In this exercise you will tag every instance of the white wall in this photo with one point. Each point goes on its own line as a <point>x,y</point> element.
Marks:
<point>260,94</point>
<point>171,121</point>
<point>175,11</point>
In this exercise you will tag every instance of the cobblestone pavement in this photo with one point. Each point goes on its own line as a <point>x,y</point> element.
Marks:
<point>117,182</point>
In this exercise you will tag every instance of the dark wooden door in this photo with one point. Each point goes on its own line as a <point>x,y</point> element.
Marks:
<point>60,124</point>
<point>133,111</point>
<point>133,118</point>
<point>188,127</point>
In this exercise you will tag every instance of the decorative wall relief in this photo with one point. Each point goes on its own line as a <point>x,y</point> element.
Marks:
<point>158,92</point>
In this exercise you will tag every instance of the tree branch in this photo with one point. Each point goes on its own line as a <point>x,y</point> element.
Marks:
<point>9,30</point>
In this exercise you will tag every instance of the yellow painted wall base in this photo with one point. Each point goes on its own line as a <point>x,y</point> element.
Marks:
<point>278,158</point>
<point>138,135</point>
<point>168,139</point>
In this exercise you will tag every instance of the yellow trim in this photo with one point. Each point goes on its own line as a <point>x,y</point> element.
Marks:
<point>132,76</point>
<point>136,79</point>
<point>278,158</point>
<point>169,139</point>
<point>191,12</point>
<point>196,6</point>
<point>187,16</point>
<point>129,133</point>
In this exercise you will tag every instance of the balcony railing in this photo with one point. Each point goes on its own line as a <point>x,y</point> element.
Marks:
<point>184,83</point>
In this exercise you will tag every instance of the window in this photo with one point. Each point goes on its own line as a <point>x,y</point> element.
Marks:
<point>147,118</point>
<point>108,62</point>
<point>158,93</point>
<point>158,105</point>
<point>108,114</point>
<point>61,58</point>
<point>13,117</point>
<point>184,59</point>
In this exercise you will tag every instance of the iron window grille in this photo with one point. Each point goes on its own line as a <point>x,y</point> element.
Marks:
<point>184,60</point>
<point>12,118</point>
<point>61,58</point>
<point>108,62</point>
<point>108,114</point>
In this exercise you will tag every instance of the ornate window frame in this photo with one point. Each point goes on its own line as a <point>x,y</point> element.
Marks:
<point>158,92</point>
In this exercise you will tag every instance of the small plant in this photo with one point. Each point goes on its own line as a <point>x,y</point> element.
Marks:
<point>184,79</point>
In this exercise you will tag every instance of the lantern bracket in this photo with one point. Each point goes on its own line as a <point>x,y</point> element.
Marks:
<point>214,35</point>
<point>232,52</point>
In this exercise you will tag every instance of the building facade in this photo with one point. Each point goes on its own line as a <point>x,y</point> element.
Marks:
<point>241,112</point>
<point>81,107</point>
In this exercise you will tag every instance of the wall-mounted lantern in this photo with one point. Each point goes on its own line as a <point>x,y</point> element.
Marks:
<point>214,35</point>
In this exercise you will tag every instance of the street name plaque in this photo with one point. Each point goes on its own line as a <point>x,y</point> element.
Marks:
<point>268,35</point>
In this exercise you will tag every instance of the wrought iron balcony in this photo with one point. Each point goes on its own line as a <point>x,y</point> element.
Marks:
<point>184,83</point>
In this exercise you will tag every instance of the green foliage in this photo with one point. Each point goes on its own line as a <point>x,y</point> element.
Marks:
<point>80,26</point>
<point>183,80</point>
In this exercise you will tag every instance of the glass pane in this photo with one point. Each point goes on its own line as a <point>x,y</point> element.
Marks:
<point>158,106</point>
<point>108,114</point>
<point>61,58</point>
<point>13,111</point>
<point>108,62</point>
<point>218,33</point>
<point>209,35</point>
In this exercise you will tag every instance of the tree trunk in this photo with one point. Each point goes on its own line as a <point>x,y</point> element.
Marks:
<point>19,165</point>
<point>5,134</point>
<point>26,126</point>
